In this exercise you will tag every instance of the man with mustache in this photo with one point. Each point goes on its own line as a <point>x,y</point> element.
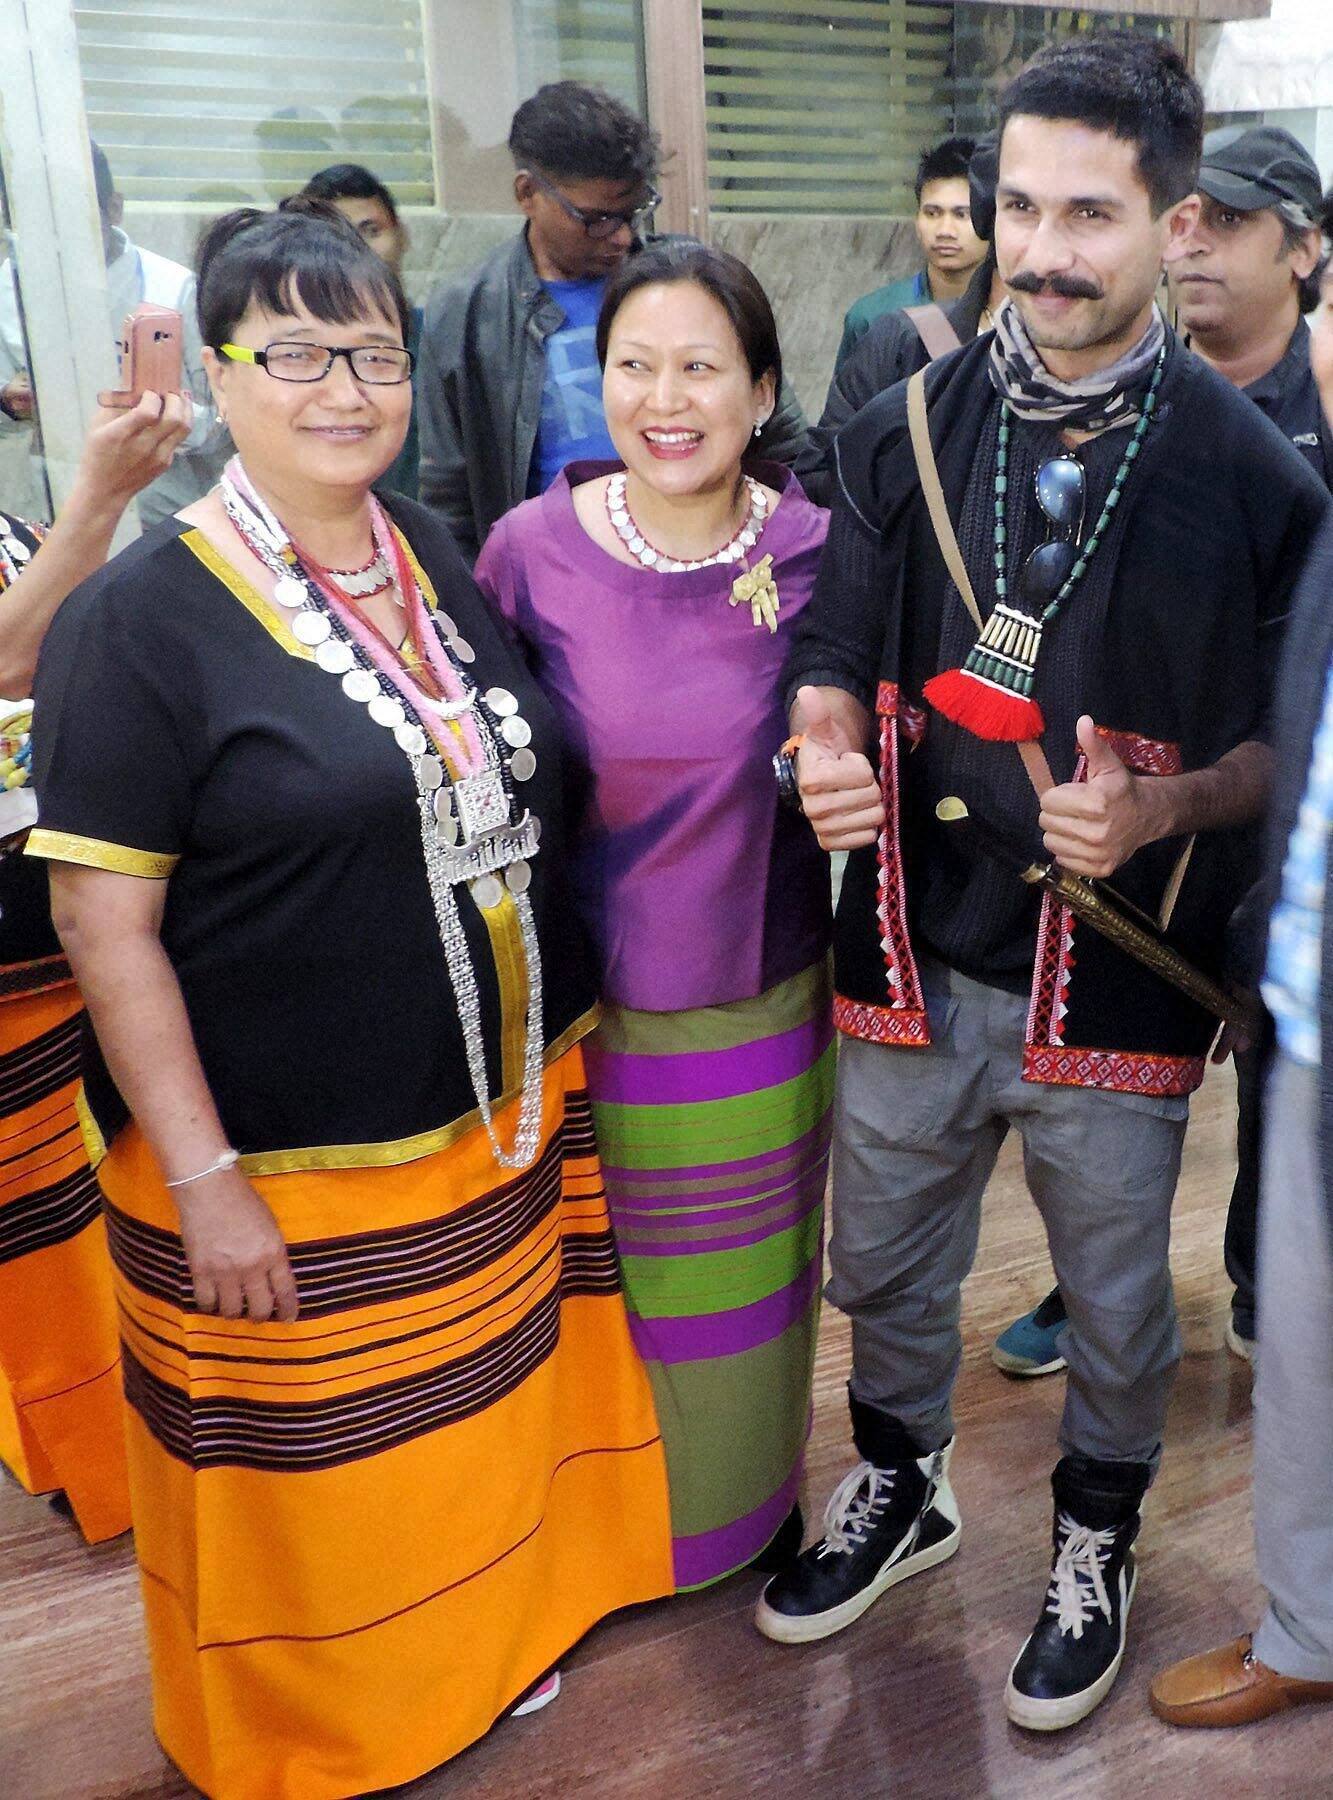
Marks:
<point>1249,274</point>
<point>1077,635</point>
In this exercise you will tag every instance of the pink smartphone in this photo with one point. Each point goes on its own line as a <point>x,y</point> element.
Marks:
<point>151,360</point>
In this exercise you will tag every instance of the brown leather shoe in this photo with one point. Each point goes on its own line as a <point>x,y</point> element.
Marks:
<point>1229,1686</point>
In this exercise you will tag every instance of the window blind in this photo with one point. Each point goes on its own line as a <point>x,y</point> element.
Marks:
<point>823,107</point>
<point>243,100</point>
<point>599,41</point>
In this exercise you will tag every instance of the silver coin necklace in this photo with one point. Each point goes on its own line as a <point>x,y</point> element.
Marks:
<point>472,830</point>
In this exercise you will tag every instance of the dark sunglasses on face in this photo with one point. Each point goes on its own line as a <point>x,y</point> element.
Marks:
<point>598,224</point>
<point>1061,494</point>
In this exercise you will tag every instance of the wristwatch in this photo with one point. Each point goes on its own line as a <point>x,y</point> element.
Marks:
<point>784,773</point>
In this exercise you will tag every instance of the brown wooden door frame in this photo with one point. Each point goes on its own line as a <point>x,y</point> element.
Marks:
<point>673,46</point>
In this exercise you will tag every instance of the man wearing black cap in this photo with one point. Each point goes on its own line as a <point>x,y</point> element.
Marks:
<point>1252,272</point>
<point>1288,1662</point>
<point>1241,292</point>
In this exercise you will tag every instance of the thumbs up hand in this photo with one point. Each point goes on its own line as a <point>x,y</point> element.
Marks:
<point>1091,827</point>
<point>839,790</point>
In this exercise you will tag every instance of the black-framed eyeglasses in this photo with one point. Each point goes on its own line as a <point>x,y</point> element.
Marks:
<point>378,365</point>
<point>599,224</point>
<point>1062,491</point>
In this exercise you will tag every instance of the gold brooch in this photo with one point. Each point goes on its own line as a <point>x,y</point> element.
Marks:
<point>758,587</point>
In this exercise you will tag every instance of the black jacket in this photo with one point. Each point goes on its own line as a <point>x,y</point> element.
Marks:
<point>1289,397</point>
<point>1213,532</point>
<point>888,353</point>
<point>479,393</point>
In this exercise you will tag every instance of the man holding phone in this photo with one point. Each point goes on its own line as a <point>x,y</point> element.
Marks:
<point>134,276</point>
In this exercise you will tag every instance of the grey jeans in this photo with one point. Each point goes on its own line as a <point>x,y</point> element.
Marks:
<point>1293,1394</point>
<point>916,1136</point>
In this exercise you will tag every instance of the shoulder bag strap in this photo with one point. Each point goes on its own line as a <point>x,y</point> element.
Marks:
<point>934,329</point>
<point>1034,757</point>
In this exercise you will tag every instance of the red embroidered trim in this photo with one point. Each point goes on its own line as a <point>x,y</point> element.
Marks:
<point>1055,932</point>
<point>904,986</point>
<point>902,1026</point>
<point>1144,755</point>
<point>912,723</point>
<point>1118,1071</point>
<point>1050,977</point>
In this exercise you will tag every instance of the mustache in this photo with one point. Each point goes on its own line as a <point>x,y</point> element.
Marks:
<point>1065,287</point>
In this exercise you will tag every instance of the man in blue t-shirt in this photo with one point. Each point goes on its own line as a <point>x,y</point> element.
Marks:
<point>508,387</point>
<point>572,423</point>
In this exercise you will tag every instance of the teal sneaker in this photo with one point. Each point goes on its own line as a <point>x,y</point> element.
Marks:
<point>1029,1346</point>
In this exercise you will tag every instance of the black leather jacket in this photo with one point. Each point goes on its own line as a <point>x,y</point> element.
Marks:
<point>888,353</point>
<point>479,393</point>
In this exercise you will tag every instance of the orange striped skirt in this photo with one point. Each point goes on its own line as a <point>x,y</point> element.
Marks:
<point>362,1536</point>
<point>61,1415</point>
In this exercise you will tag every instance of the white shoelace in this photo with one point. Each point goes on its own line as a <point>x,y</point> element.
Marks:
<point>854,1508</point>
<point>1078,1584</point>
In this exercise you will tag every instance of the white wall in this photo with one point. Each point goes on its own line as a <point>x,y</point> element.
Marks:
<point>1280,68</point>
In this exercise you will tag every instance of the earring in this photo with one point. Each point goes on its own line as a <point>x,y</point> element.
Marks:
<point>759,427</point>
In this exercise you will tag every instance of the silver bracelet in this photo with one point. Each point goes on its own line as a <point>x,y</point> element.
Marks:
<point>228,1160</point>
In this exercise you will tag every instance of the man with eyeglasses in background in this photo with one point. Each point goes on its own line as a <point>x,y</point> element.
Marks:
<point>509,387</point>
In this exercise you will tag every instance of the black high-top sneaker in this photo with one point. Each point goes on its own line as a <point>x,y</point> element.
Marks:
<point>884,1522</point>
<point>1069,1664</point>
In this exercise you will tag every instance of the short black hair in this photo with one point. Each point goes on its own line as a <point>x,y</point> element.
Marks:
<point>350,181</point>
<point>948,161</point>
<point>568,128</point>
<point>736,289</point>
<point>103,180</point>
<point>1133,86</point>
<point>305,250</point>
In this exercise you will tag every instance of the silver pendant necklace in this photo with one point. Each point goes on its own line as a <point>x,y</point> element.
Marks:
<point>466,834</point>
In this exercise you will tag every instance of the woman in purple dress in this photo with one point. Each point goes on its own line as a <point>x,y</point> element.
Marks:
<point>654,598</point>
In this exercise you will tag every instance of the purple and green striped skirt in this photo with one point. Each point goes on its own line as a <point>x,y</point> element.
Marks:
<point>713,1128</point>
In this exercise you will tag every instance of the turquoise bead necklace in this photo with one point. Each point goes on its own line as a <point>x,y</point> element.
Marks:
<point>991,694</point>
<point>1089,550</point>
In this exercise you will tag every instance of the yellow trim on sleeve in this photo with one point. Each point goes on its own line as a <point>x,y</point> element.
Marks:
<point>94,853</point>
<point>249,596</point>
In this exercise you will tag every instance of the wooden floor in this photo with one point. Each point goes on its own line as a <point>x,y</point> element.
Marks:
<point>683,1701</point>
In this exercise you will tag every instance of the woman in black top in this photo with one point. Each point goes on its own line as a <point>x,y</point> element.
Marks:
<point>300,799</point>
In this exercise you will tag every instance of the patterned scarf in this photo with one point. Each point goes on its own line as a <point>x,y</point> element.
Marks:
<point>1097,402</point>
